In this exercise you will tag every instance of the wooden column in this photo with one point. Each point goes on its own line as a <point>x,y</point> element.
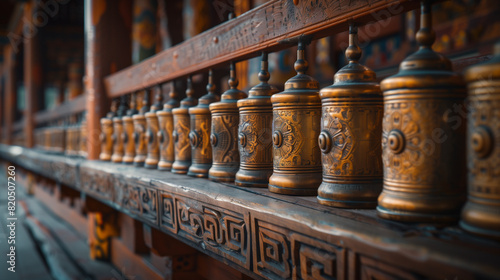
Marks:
<point>10,91</point>
<point>32,79</point>
<point>107,36</point>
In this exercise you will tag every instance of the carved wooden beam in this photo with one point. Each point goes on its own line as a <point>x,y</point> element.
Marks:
<point>266,235</point>
<point>262,28</point>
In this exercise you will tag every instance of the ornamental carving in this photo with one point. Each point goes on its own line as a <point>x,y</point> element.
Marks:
<point>292,147</point>
<point>255,138</point>
<point>218,230</point>
<point>225,130</point>
<point>352,152</point>
<point>181,137</point>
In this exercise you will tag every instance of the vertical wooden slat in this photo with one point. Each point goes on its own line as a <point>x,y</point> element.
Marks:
<point>108,49</point>
<point>30,71</point>
<point>9,93</point>
<point>240,7</point>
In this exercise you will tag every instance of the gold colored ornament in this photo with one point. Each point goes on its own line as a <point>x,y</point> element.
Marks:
<point>118,147</point>
<point>180,135</point>
<point>152,128</point>
<point>255,133</point>
<point>199,137</point>
<point>423,138</point>
<point>481,214</point>
<point>296,127</point>
<point>140,132</point>
<point>128,131</point>
<point>83,136</point>
<point>107,133</point>
<point>224,137</point>
<point>351,132</point>
<point>166,122</point>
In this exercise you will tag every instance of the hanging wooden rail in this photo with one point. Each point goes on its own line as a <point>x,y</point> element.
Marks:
<point>74,106</point>
<point>259,29</point>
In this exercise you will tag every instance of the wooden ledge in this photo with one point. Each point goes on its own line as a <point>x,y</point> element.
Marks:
<point>267,235</point>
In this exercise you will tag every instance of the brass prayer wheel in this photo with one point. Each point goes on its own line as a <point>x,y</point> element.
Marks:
<point>423,138</point>
<point>199,136</point>
<point>140,132</point>
<point>255,133</point>
<point>118,149</point>
<point>106,136</point>
<point>351,129</point>
<point>481,214</point>
<point>128,131</point>
<point>180,135</point>
<point>152,128</point>
<point>83,136</point>
<point>166,122</point>
<point>296,127</point>
<point>224,136</point>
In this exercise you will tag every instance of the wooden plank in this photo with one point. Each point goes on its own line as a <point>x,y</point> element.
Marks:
<point>9,105</point>
<point>262,28</point>
<point>29,263</point>
<point>74,243</point>
<point>18,126</point>
<point>108,48</point>
<point>68,108</point>
<point>32,77</point>
<point>243,226</point>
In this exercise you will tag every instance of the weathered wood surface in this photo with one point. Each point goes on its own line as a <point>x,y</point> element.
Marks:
<point>108,48</point>
<point>68,108</point>
<point>271,236</point>
<point>262,28</point>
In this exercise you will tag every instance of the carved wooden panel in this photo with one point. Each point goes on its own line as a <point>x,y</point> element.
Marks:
<point>218,230</point>
<point>281,253</point>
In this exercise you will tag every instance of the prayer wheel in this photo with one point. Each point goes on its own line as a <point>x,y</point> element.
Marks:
<point>128,131</point>
<point>224,137</point>
<point>199,137</point>
<point>351,124</point>
<point>118,147</point>
<point>481,214</point>
<point>106,136</point>
<point>152,128</point>
<point>180,135</point>
<point>423,136</point>
<point>254,133</point>
<point>166,122</point>
<point>83,136</point>
<point>140,132</point>
<point>296,127</point>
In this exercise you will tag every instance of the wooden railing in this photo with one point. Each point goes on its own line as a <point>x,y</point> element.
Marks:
<point>66,109</point>
<point>267,27</point>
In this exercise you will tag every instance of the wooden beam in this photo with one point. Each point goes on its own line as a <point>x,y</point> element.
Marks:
<point>262,28</point>
<point>31,80</point>
<point>71,107</point>
<point>10,91</point>
<point>107,37</point>
<point>268,235</point>
<point>18,126</point>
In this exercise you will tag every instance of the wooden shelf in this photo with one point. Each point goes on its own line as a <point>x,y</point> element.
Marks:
<point>268,235</point>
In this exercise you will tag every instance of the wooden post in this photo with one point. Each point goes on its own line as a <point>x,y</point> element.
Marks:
<point>32,79</point>
<point>107,36</point>
<point>9,93</point>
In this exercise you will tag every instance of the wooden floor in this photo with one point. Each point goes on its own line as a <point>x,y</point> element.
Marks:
<point>46,247</point>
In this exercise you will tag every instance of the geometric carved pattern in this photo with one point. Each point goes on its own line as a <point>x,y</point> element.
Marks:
<point>371,269</point>
<point>282,253</point>
<point>217,230</point>
<point>268,245</point>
